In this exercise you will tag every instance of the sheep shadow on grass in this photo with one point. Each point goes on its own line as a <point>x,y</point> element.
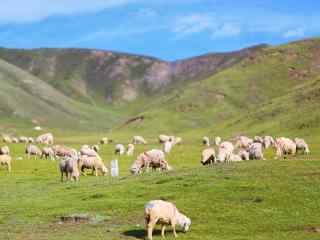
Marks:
<point>138,233</point>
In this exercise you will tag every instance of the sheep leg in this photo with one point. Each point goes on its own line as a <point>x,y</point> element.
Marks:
<point>9,167</point>
<point>96,172</point>
<point>174,230</point>
<point>61,176</point>
<point>150,227</point>
<point>163,229</point>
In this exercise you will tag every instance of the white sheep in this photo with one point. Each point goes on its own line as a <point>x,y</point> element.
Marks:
<point>164,213</point>
<point>256,151</point>
<point>119,149</point>
<point>208,156</point>
<point>33,150</point>
<point>4,150</point>
<point>48,153</point>
<point>243,142</point>
<point>138,140</point>
<point>217,141</point>
<point>46,138</point>
<point>206,141</point>
<point>225,151</point>
<point>154,159</point>
<point>244,154</point>
<point>285,146</point>
<point>268,141</point>
<point>130,149</point>
<point>302,145</point>
<point>69,167</point>
<point>167,146</point>
<point>95,163</point>
<point>5,160</point>
<point>163,138</point>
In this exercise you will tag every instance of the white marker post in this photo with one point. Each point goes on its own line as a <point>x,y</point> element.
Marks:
<point>114,168</point>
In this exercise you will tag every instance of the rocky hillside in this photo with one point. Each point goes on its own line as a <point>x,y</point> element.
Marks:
<point>102,76</point>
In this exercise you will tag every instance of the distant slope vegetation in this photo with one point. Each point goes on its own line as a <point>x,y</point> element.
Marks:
<point>24,96</point>
<point>257,90</point>
<point>102,76</point>
<point>277,90</point>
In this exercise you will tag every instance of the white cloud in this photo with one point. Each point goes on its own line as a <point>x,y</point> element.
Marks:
<point>20,11</point>
<point>293,33</point>
<point>227,30</point>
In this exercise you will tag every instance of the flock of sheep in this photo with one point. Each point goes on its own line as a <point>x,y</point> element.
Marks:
<point>73,163</point>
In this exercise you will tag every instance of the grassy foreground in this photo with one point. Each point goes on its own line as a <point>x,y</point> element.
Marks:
<point>269,199</point>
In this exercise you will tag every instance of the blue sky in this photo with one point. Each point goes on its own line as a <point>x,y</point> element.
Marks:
<point>169,30</point>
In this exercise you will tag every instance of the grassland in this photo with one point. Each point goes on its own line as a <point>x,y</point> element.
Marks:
<point>272,199</point>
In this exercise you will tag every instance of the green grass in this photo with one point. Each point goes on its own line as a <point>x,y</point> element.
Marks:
<point>250,200</point>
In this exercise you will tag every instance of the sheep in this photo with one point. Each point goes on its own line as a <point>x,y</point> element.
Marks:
<point>63,151</point>
<point>138,140</point>
<point>119,149</point>
<point>258,139</point>
<point>4,150</point>
<point>206,141</point>
<point>15,140</point>
<point>46,138</point>
<point>167,146</point>
<point>33,150</point>
<point>104,140</point>
<point>5,160</point>
<point>95,163</point>
<point>163,138</point>
<point>243,142</point>
<point>164,213</point>
<point>69,167</point>
<point>244,154</point>
<point>86,150</point>
<point>130,149</point>
<point>23,139</point>
<point>285,146</point>
<point>268,141</point>
<point>217,141</point>
<point>208,156</point>
<point>302,145</point>
<point>225,151</point>
<point>30,140</point>
<point>154,158</point>
<point>47,152</point>
<point>255,151</point>
<point>235,158</point>
<point>6,139</point>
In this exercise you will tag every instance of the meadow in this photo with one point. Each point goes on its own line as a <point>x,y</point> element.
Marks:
<point>272,199</point>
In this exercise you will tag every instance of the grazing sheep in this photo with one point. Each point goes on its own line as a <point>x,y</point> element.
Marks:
<point>167,146</point>
<point>255,151</point>
<point>130,149</point>
<point>69,167</point>
<point>244,154</point>
<point>217,141</point>
<point>243,142</point>
<point>225,151</point>
<point>268,141</point>
<point>87,151</point>
<point>119,149</point>
<point>258,139</point>
<point>104,140</point>
<point>48,153</point>
<point>206,141</point>
<point>163,138</point>
<point>15,140</point>
<point>164,213</point>
<point>63,151</point>
<point>5,160</point>
<point>154,159</point>
<point>285,146</point>
<point>23,139</point>
<point>7,139</point>
<point>138,140</point>
<point>30,140</point>
<point>46,138</point>
<point>235,158</point>
<point>302,145</point>
<point>4,150</point>
<point>208,156</point>
<point>33,150</point>
<point>95,163</point>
